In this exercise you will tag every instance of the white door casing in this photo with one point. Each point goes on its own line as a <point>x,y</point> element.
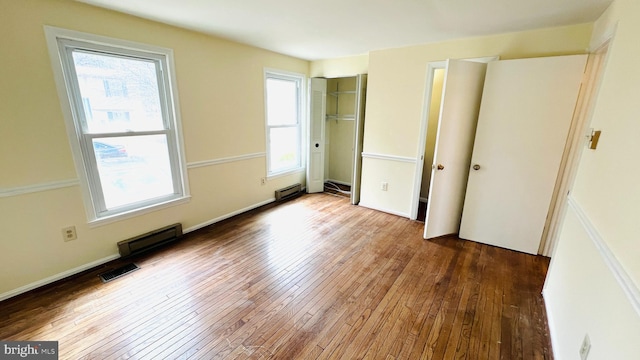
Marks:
<point>524,119</point>
<point>318,110</point>
<point>575,145</point>
<point>461,97</point>
<point>361,85</point>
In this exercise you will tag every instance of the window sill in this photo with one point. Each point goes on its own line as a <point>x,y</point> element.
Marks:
<point>138,212</point>
<point>285,173</point>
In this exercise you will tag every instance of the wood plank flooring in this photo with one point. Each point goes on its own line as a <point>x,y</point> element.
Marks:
<point>313,278</point>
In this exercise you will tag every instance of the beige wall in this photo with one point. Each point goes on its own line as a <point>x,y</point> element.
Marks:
<point>395,97</point>
<point>432,130</point>
<point>340,67</point>
<point>221,97</point>
<point>582,292</point>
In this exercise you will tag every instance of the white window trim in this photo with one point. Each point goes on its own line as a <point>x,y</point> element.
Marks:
<point>52,35</point>
<point>271,72</point>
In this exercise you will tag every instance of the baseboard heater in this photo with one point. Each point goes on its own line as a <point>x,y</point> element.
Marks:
<point>288,192</point>
<point>150,240</point>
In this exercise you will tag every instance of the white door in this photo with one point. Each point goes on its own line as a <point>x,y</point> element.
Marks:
<point>524,120</point>
<point>318,110</point>
<point>361,85</point>
<point>461,96</point>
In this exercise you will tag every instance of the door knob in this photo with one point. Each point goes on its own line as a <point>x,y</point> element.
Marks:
<point>476,167</point>
<point>440,167</point>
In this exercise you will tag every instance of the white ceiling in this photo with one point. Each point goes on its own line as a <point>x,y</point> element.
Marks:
<point>325,29</point>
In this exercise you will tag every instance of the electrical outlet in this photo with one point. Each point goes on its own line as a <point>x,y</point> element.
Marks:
<point>384,186</point>
<point>69,233</point>
<point>263,181</point>
<point>585,347</point>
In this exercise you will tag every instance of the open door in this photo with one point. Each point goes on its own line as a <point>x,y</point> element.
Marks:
<point>318,109</point>
<point>361,84</point>
<point>527,107</point>
<point>461,97</point>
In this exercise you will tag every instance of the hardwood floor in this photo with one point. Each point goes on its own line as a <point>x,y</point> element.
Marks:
<point>313,278</point>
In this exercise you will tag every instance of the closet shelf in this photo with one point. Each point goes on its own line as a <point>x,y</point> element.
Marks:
<point>340,117</point>
<point>336,93</point>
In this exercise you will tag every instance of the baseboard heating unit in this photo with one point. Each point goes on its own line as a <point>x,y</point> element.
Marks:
<point>150,240</point>
<point>288,192</point>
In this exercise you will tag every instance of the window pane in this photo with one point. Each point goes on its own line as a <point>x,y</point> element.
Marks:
<point>118,94</point>
<point>282,102</point>
<point>133,168</point>
<point>283,148</point>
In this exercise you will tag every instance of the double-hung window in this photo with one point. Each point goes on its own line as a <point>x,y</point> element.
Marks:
<point>284,120</point>
<point>123,122</point>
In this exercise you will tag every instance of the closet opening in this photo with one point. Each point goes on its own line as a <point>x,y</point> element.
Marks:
<point>453,89</point>
<point>433,114</point>
<point>340,135</point>
<point>337,124</point>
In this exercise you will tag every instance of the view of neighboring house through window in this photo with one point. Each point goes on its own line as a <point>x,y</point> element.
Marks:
<point>123,115</point>
<point>284,94</point>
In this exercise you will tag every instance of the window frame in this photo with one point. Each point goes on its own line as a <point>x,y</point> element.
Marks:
<point>300,80</point>
<point>61,44</point>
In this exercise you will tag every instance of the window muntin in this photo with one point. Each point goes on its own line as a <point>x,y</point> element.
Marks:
<point>125,124</point>
<point>284,94</point>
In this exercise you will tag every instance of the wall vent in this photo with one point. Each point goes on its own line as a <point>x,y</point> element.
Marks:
<point>118,272</point>
<point>150,240</point>
<point>288,192</point>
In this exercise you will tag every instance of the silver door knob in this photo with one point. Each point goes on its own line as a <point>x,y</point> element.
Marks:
<point>476,167</point>
<point>440,167</point>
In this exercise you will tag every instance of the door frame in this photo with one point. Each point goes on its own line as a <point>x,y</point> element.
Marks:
<point>579,134</point>
<point>358,138</point>
<point>424,123</point>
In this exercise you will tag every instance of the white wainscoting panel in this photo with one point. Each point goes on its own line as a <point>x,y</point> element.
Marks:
<point>197,164</point>
<point>406,159</point>
<point>622,277</point>
<point>38,187</point>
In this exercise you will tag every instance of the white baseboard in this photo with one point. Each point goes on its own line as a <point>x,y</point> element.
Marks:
<point>56,277</point>
<point>226,216</point>
<point>552,327</point>
<point>392,212</point>
<point>105,260</point>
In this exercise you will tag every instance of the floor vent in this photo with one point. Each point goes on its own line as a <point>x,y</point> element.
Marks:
<point>150,240</point>
<point>119,272</point>
<point>288,192</point>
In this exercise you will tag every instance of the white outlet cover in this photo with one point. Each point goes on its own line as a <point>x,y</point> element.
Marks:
<point>69,233</point>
